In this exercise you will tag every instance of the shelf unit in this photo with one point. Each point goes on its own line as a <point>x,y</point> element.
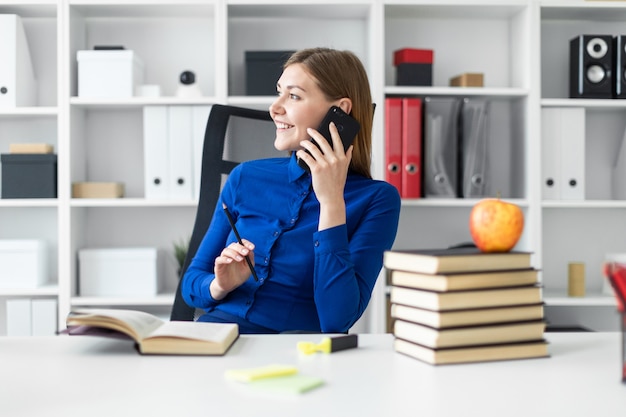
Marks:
<point>585,230</point>
<point>29,218</point>
<point>520,46</point>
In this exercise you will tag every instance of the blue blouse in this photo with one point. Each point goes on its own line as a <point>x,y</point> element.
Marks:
<point>309,280</point>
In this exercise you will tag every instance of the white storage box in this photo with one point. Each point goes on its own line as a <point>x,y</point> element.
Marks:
<point>23,263</point>
<point>119,272</point>
<point>108,73</point>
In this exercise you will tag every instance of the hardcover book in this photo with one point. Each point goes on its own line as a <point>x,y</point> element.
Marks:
<point>455,318</point>
<point>469,335</point>
<point>463,259</point>
<point>153,335</point>
<point>507,351</point>
<point>463,281</point>
<point>457,300</point>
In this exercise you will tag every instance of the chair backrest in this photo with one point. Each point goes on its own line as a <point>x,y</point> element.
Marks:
<point>214,166</point>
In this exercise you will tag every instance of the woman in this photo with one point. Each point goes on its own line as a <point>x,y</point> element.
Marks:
<point>316,240</point>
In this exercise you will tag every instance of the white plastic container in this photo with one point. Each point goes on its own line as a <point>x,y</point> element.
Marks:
<point>119,272</point>
<point>108,73</point>
<point>23,263</point>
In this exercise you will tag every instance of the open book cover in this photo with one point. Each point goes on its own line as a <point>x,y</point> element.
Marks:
<point>153,335</point>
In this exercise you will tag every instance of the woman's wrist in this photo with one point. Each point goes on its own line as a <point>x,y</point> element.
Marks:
<point>332,214</point>
<point>217,292</point>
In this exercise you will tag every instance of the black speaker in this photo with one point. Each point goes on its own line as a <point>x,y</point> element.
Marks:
<point>591,65</point>
<point>619,66</point>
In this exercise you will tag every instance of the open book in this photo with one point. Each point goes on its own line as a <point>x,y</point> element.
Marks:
<point>153,335</point>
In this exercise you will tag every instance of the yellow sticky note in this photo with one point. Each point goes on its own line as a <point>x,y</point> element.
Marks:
<point>253,374</point>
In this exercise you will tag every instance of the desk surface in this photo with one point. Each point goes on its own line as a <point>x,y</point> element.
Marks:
<point>90,376</point>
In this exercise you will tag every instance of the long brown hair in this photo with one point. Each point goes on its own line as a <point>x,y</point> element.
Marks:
<point>340,74</point>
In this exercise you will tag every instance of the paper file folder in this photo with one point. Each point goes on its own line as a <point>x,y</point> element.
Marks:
<point>18,84</point>
<point>441,147</point>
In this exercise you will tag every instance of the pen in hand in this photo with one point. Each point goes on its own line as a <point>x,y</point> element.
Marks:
<point>232,225</point>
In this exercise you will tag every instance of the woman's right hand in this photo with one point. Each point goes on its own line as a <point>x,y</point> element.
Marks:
<point>231,268</point>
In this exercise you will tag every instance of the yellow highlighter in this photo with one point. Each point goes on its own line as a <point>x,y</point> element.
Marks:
<point>329,344</point>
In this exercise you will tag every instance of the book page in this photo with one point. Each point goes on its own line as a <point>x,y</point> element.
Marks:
<point>210,332</point>
<point>140,323</point>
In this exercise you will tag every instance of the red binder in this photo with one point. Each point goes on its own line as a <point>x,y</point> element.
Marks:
<point>393,142</point>
<point>411,148</point>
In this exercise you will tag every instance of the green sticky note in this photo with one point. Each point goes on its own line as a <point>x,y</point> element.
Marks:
<point>291,384</point>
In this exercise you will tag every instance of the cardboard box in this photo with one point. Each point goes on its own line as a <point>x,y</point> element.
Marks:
<point>467,79</point>
<point>29,175</point>
<point>119,272</point>
<point>263,69</point>
<point>97,190</point>
<point>31,148</point>
<point>23,263</point>
<point>108,73</point>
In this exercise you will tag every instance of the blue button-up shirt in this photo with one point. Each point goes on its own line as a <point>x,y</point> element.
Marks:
<point>308,279</point>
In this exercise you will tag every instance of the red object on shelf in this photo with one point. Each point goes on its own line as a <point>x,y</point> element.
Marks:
<point>412,56</point>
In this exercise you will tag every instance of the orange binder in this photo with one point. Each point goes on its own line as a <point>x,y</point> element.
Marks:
<point>411,148</point>
<point>393,142</point>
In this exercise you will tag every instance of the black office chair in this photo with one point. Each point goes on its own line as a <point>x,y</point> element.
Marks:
<point>214,166</point>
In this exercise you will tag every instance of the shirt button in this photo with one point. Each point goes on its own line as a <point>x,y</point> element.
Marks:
<point>266,261</point>
<point>248,302</point>
<point>293,221</point>
<point>317,243</point>
<point>275,234</point>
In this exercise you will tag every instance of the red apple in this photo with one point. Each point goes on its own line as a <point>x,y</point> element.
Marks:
<point>496,225</point>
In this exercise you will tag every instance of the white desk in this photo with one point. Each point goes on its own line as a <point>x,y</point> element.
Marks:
<point>89,376</point>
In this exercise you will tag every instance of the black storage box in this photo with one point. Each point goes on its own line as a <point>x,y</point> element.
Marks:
<point>29,175</point>
<point>263,69</point>
<point>414,74</point>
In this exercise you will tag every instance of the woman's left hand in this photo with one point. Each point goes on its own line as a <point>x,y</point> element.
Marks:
<point>329,170</point>
<point>329,165</point>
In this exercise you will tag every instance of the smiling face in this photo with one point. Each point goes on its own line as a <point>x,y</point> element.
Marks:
<point>300,104</point>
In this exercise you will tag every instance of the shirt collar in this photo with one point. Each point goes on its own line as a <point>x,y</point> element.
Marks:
<point>295,172</point>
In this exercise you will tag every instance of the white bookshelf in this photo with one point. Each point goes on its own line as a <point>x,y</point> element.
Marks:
<point>520,46</point>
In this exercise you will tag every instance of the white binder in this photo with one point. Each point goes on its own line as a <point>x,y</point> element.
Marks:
<point>44,317</point>
<point>180,131</point>
<point>573,153</point>
<point>563,153</point>
<point>550,153</point>
<point>200,115</point>
<point>156,148</point>
<point>18,84</point>
<point>19,317</point>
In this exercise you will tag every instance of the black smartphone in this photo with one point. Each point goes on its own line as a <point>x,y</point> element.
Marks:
<point>347,126</point>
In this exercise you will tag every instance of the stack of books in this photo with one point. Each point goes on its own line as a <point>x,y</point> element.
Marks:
<point>461,305</point>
